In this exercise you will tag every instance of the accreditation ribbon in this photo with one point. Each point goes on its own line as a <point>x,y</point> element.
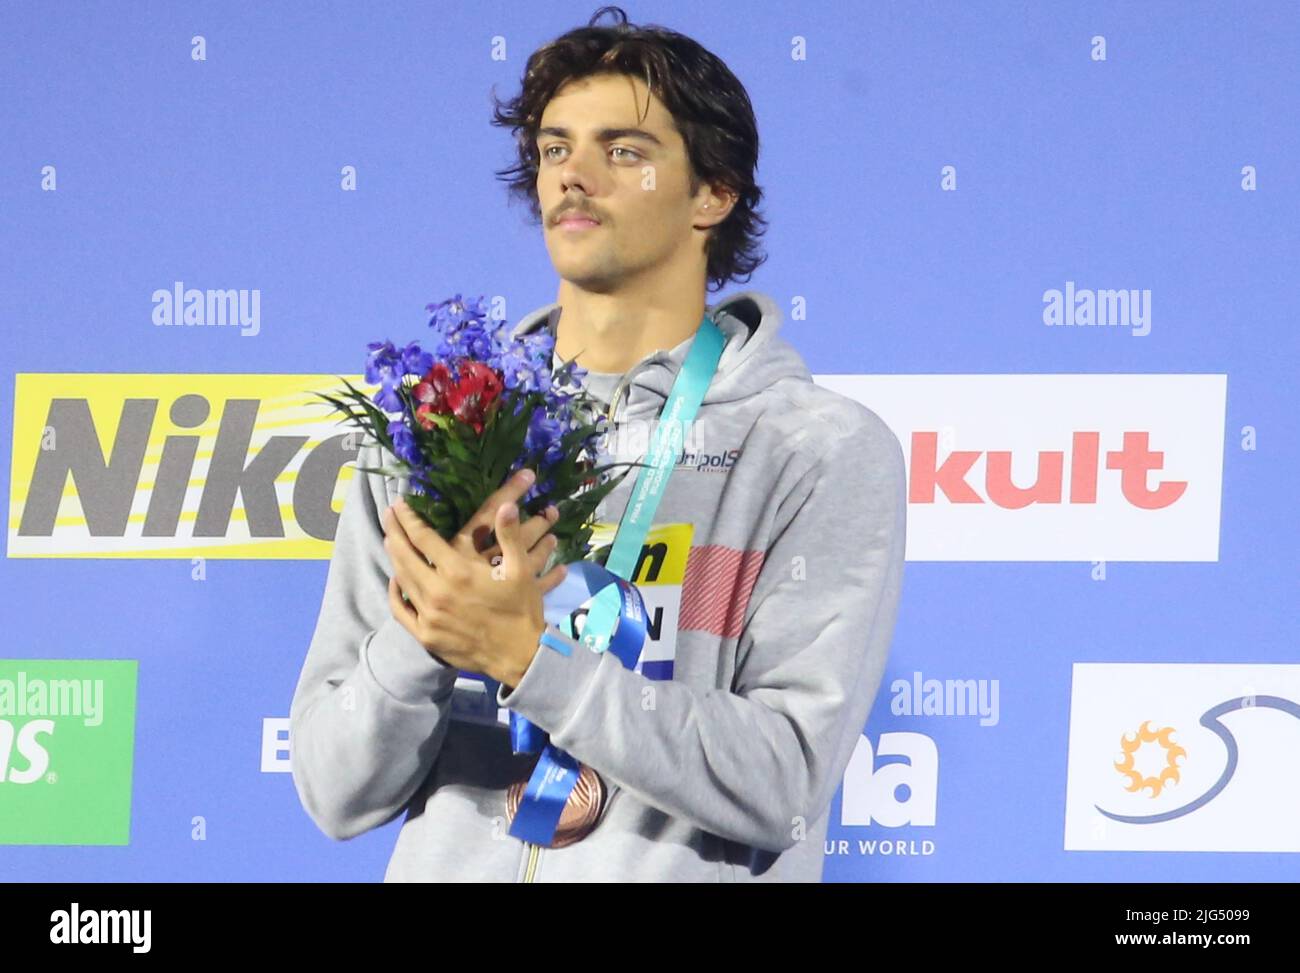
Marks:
<point>616,619</point>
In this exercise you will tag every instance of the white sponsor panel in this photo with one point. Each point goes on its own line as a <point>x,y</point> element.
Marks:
<point>1183,757</point>
<point>1055,467</point>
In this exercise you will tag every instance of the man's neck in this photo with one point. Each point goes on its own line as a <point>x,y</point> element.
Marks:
<point>612,332</point>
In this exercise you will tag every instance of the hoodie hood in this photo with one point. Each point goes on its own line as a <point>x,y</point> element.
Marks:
<point>754,357</point>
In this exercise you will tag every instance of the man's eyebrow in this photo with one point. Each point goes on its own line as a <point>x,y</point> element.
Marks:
<point>604,135</point>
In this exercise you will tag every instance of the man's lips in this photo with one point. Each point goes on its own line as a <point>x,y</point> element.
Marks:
<point>577,219</point>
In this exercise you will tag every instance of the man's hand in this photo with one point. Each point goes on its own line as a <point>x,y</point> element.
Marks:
<point>469,613</point>
<point>473,536</point>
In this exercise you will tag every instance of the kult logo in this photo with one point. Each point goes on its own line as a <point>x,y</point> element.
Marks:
<point>66,746</point>
<point>1133,463</point>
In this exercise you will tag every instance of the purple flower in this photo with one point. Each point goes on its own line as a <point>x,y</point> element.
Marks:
<point>540,345</point>
<point>538,489</point>
<point>455,311</point>
<point>383,363</point>
<point>389,399</point>
<point>404,445</point>
<point>576,372</point>
<point>416,361</point>
<point>386,366</point>
<point>519,370</point>
<point>419,483</point>
<point>544,434</point>
<point>501,339</point>
<point>468,341</point>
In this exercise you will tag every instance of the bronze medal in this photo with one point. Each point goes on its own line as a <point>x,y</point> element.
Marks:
<point>581,811</point>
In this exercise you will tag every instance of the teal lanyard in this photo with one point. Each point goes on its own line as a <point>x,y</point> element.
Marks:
<point>665,446</point>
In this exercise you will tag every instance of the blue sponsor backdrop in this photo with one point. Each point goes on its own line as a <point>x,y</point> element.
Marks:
<point>224,173</point>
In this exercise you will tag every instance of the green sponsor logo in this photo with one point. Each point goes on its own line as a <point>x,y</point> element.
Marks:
<point>67,738</point>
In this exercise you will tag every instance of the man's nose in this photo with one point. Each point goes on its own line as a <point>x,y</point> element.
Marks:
<point>579,171</point>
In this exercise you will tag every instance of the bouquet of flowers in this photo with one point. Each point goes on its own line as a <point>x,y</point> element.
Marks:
<point>462,418</point>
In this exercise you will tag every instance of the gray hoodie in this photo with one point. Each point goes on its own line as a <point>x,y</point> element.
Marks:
<point>772,589</point>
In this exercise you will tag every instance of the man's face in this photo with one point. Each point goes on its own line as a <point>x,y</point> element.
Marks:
<point>594,162</point>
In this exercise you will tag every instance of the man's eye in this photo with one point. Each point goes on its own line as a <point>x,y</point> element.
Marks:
<point>631,154</point>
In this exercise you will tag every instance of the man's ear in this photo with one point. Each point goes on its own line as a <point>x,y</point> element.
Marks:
<point>713,206</point>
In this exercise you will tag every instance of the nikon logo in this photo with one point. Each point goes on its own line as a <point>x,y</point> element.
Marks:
<point>242,466</point>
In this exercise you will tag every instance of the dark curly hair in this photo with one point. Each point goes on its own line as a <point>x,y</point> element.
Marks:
<point>710,109</point>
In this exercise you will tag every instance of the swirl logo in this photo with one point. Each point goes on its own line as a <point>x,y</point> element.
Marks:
<point>1170,774</point>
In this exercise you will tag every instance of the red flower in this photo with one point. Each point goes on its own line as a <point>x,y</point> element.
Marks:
<point>433,388</point>
<point>431,393</point>
<point>468,399</point>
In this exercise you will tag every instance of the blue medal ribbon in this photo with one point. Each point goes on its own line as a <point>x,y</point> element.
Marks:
<point>556,771</point>
<point>562,606</point>
<point>616,618</point>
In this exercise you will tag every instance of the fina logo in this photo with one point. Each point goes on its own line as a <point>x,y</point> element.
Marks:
<point>895,785</point>
<point>1170,775</point>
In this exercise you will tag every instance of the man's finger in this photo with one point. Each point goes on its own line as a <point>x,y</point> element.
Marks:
<point>537,557</point>
<point>423,538</point>
<point>410,565</point>
<point>510,491</point>
<point>408,616</point>
<point>552,578</point>
<point>402,610</point>
<point>533,531</point>
<point>513,552</point>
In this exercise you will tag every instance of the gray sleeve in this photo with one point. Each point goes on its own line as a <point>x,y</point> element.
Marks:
<point>760,762</point>
<point>370,710</point>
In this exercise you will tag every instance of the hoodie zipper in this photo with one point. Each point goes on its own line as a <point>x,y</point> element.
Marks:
<point>534,854</point>
<point>535,851</point>
<point>624,382</point>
